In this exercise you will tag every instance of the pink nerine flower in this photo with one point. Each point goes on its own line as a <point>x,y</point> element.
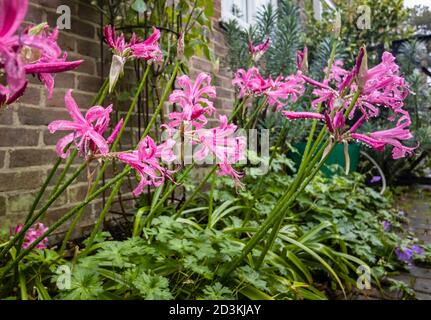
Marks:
<point>11,15</point>
<point>44,58</point>
<point>221,143</point>
<point>87,131</point>
<point>302,60</point>
<point>26,53</point>
<point>32,234</point>
<point>277,91</point>
<point>258,50</point>
<point>282,89</point>
<point>148,50</point>
<point>193,101</point>
<point>146,161</point>
<point>250,82</point>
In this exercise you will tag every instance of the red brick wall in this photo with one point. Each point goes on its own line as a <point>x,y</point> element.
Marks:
<point>27,149</point>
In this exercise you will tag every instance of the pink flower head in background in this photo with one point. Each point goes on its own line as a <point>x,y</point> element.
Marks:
<point>281,90</point>
<point>87,131</point>
<point>221,143</point>
<point>302,60</point>
<point>257,51</point>
<point>33,234</point>
<point>33,51</point>
<point>146,161</point>
<point>394,136</point>
<point>193,99</point>
<point>148,50</point>
<point>250,82</point>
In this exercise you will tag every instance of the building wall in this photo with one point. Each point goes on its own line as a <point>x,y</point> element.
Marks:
<point>27,149</point>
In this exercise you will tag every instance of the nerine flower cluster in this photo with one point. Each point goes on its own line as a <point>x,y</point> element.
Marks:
<point>380,87</point>
<point>357,95</point>
<point>189,123</point>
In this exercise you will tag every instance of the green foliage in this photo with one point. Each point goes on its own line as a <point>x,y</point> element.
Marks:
<point>387,23</point>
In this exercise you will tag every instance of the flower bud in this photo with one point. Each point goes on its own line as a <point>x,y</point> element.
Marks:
<point>362,68</point>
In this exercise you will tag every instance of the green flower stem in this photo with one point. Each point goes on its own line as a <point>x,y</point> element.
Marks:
<point>209,174</point>
<point>277,215</point>
<point>280,140</point>
<point>97,100</point>
<point>195,192</point>
<point>255,114</point>
<point>42,189</point>
<point>211,199</point>
<point>162,100</point>
<point>102,215</point>
<point>106,163</point>
<point>166,195</point>
<point>34,218</point>
<point>314,125</point>
<point>278,212</point>
<point>147,130</point>
<point>65,170</point>
<point>61,221</point>
<point>131,107</point>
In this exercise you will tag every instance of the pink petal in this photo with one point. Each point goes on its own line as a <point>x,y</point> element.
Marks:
<point>61,145</point>
<point>73,108</point>
<point>52,67</point>
<point>12,13</point>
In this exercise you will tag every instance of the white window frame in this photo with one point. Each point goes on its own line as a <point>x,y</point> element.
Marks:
<point>248,9</point>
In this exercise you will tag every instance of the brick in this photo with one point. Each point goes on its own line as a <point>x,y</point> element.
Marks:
<point>67,42</point>
<point>423,285</point>
<point>23,201</point>
<point>65,80</point>
<point>223,93</point>
<point>83,29</point>
<point>32,95</point>
<point>88,48</point>
<point>77,193</point>
<point>6,116</point>
<point>84,100</point>
<point>21,180</point>
<point>57,99</point>
<point>34,14</point>
<point>2,206</point>
<point>89,13</point>
<point>423,296</point>
<point>2,156</point>
<point>11,137</point>
<point>89,83</point>
<point>420,272</point>
<point>87,66</point>
<point>202,65</point>
<point>31,157</point>
<point>40,116</point>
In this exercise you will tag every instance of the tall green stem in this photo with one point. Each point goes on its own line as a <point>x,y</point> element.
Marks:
<point>102,215</point>
<point>34,218</point>
<point>61,221</point>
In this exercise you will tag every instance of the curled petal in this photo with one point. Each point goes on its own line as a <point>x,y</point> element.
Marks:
<point>292,115</point>
<point>62,144</point>
<point>52,67</point>
<point>115,132</point>
<point>374,143</point>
